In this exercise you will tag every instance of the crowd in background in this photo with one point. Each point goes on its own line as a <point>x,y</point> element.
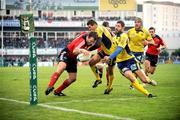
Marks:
<point>74,18</point>
<point>22,43</point>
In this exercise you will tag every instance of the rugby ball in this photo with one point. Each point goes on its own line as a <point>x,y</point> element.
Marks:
<point>83,58</point>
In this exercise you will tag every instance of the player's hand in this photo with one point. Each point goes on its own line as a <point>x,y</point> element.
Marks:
<point>85,52</point>
<point>145,42</point>
<point>159,49</point>
<point>106,59</point>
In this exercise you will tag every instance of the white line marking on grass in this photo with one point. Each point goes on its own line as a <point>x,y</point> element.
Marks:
<point>12,100</point>
<point>90,100</point>
<point>71,110</point>
<point>100,100</point>
<point>85,112</point>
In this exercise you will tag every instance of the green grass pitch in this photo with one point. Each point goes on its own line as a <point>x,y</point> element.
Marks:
<point>122,102</point>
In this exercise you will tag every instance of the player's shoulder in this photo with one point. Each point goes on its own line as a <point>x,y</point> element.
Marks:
<point>130,30</point>
<point>124,34</point>
<point>145,30</point>
<point>100,27</point>
<point>84,32</point>
<point>157,36</point>
<point>81,34</point>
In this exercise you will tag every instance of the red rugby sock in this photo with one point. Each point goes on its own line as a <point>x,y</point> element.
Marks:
<point>53,80</point>
<point>65,84</point>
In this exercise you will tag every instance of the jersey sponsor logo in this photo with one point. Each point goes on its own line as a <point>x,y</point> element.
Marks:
<point>117,4</point>
<point>133,67</point>
<point>139,58</point>
<point>125,69</point>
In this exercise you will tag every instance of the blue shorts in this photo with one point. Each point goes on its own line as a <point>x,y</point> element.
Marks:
<point>127,65</point>
<point>138,56</point>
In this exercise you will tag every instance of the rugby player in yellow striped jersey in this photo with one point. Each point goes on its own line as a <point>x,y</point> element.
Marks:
<point>126,61</point>
<point>106,42</point>
<point>139,37</point>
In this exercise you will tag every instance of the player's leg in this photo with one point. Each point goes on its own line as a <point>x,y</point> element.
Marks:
<point>153,64</point>
<point>146,67</point>
<point>62,64</point>
<point>145,79</point>
<point>72,74</point>
<point>92,63</point>
<point>139,58</point>
<point>65,84</point>
<point>128,74</point>
<point>60,68</point>
<point>141,74</point>
<point>99,67</point>
<point>152,69</point>
<point>110,79</point>
<point>127,68</point>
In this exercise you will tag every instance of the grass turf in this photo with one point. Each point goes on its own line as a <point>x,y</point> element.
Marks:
<point>122,102</point>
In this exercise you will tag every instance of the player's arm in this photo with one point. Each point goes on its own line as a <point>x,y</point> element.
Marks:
<point>77,51</point>
<point>149,40</point>
<point>162,44</point>
<point>122,42</point>
<point>109,59</point>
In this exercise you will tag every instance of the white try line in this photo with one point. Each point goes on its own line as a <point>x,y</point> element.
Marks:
<point>71,110</point>
<point>89,100</point>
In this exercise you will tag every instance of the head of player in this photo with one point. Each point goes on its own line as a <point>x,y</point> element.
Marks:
<point>119,27</point>
<point>91,38</point>
<point>92,25</point>
<point>152,31</point>
<point>138,23</point>
<point>106,24</point>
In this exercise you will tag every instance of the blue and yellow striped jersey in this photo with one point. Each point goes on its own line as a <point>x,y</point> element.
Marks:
<point>121,40</point>
<point>136,39</point>
<point>106,37</point>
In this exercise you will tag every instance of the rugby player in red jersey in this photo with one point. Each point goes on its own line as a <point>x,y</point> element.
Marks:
<point>67,61</point>
<point>152,52</point>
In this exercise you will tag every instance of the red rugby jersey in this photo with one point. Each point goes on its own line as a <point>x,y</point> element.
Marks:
<point>78,42</point>
<point>152,49</point>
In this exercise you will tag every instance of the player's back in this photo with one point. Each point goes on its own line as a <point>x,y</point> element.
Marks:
<point>106,38</point>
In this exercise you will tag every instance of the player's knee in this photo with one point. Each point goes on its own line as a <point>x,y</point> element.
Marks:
<point>152,72</point>
<point>91,63</point>
<point>73,80</point>
<point>145,80</point>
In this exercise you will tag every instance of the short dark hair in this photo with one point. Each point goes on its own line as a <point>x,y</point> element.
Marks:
<point>93,34</point>
<point>105,24</point>
<point>91,22</point>
<point>152,28</point>
<point>121,22</point>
